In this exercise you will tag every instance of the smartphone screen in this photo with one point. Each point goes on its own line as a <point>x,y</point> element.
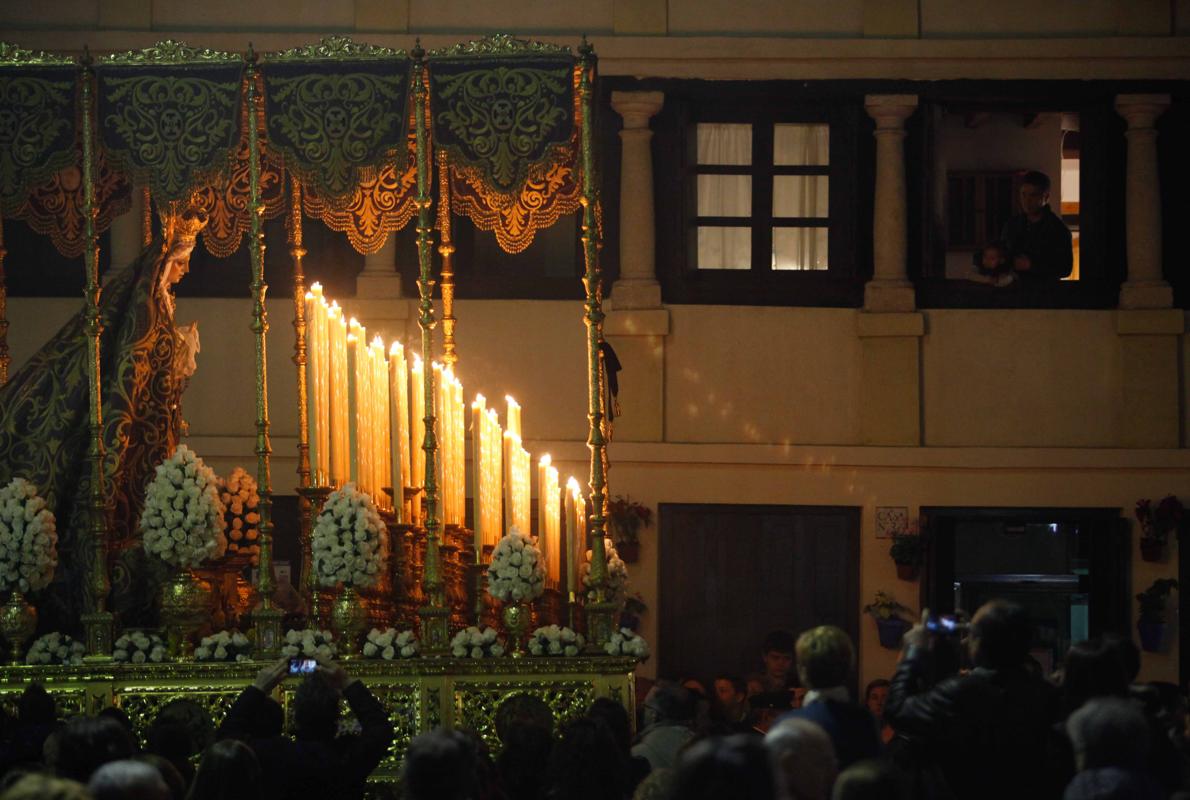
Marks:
<point>299,665</point>
<point>947,624</point>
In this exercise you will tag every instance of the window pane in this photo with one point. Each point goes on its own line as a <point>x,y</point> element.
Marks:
<point>799,248</point>
<point>724,248</point>
<point>721,143</point>
<point>801,145</point>
<point>724,195</point>
<point>801,196</point>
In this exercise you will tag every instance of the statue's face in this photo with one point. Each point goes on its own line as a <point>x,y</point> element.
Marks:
<point>177,263</point>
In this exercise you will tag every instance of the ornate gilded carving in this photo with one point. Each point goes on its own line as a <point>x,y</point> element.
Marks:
<point>14,55</point>
<point>169,52</point>
<point>476,704</point>
<point>55,208</point>
<point>501,44</point>
<point>332,47</point>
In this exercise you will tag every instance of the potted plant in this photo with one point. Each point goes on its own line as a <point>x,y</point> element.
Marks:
<point>627,517</point>
<point>1151,624</point>
<point>908,551</point>
<point>890,625</point>
<point>1156,524</point>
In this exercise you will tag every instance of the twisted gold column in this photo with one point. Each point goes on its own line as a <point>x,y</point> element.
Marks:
<point>297,253</point>
<point>266,618</point>
<point>98,620</point>
<point>435,616</point>
<point>446,250</point>
<point>600,613</point>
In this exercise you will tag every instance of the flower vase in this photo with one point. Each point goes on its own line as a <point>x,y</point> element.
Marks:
<point>185,606</point>
<point>908,572</point>
<point>1152,636</point>
<point>1152,549</point>
<point>629,552</point>
<point>349,617</point>
<point>516,625</point>
<point>890,631</point>
<point>18,622</point>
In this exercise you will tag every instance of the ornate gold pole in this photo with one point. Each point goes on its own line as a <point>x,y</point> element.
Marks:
<point>266,618</point>
<point>98,620</point>
<point>4,358</point>
<point>446,250</point>
<point>146,217</point>
<point>296,253</point>
<point>435,616</point>
<point>600,613</point>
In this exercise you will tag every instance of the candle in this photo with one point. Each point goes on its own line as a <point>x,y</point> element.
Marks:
<point>340,433</point>
<point>542,469</point>
<point>478,426</point>
<point>398,428</point>
<point>380,416</point>
<point>493,454</point>
<point>514,415</point>
<point>352,411</point>
<point>312,367</point>
<point>573,527</point>
<point>552,534</point>
<point>417,389</point>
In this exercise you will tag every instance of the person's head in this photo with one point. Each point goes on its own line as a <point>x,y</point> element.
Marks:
<point>994,257</point>
<point>440,765</point>
<point>802,752</point>
<point>168,772</point>
<point>127,780</point>
<point>1034,192</point>
<point>523,709</point>
<point>181,227</point>
<point>730,690</point>
<point>39,786</point>
<point>754,684</point>
<point>668,704</point>
<point>1125,650</point>
<point>694,686</point>
<point>186,724</point>
<point>874,697</point>
<point>36,706</point>
<point>1001,633</point>
<point>736,766</point>
<point>586,763</point>
<point>1109,732</point>
<point>1092,669</point>
<point>228,771</point>
<point>120,716</point>
<point>84,744</point>
<point>615,717</point>
<point>825,657</point>
<point>316,708</point>
<point>870,780</point>
<point>777,652</point>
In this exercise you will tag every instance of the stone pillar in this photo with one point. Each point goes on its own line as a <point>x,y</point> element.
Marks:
<point>380,279</point>
<point>126,232</point>
<point>378,302</point>
<point>1145,287</point>
<point>889,289</point>
<point>637,286</point>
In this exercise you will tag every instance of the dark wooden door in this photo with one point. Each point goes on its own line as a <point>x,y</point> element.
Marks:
<point>731,573</point>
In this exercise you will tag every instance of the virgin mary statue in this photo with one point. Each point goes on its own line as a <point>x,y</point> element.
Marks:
<point>145,363</point>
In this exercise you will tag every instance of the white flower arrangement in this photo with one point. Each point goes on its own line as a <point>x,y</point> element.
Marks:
<point>56,648</point>
<point>241,503</point>
<point>617,574</point>
<point>387,644</point>
<point>625,642</point>
<point>139,647</point>
<point>309,642</point>
<point>28,538</point>
<point>348,540</point>
<point>182,523</point>
<point>224,646</point>
<point>516,574</point>
<point>475,643</point>
<point>552,640</point>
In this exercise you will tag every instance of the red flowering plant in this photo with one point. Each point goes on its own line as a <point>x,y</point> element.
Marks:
<point>627,517</point>
<point>1157,523</point>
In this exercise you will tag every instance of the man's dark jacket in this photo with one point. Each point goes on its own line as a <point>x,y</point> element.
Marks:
<point>1047,243</point>
<point>851,728</point>
<point>317,769</point>
<point>987,730</point>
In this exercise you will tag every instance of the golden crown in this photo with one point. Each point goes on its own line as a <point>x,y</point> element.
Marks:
<point>181,223</point>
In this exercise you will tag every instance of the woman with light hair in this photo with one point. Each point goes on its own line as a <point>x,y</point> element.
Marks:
<point>805,758</point>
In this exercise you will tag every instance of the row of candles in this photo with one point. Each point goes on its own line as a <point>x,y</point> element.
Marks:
<point>365,424</point>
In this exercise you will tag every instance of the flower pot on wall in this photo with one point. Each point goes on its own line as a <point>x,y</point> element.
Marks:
<point>629,552</point>
<point>1152,636</point>
<point>1152,549</point>
<point>891,631</point>
<point>908,572</point>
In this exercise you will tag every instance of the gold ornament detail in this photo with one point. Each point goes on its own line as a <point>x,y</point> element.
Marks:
<point>185,606</point>
<point>18,621</point>
<point>349,616</point>
<point>516,623</point>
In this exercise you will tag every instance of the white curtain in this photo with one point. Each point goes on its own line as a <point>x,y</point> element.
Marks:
<point>801,196</point>
<point>724,196</point>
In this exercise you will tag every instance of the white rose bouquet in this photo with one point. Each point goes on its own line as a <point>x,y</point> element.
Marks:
<point>138,647</point>
<point>475,643</point>
<point>309,642</point>
<point>224,646</point>
<point>56,648</point>
<point>348,540</point>
<point>516,574</point>
<point>552,640</point>
<point>627,643</point>
<point>182,523</point>
<point>617,574</point>
<point>28,538</point>
<point>241,504</point>
<point>388,644</point>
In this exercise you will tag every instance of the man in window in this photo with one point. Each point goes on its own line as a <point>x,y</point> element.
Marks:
<point>1038,242</point>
